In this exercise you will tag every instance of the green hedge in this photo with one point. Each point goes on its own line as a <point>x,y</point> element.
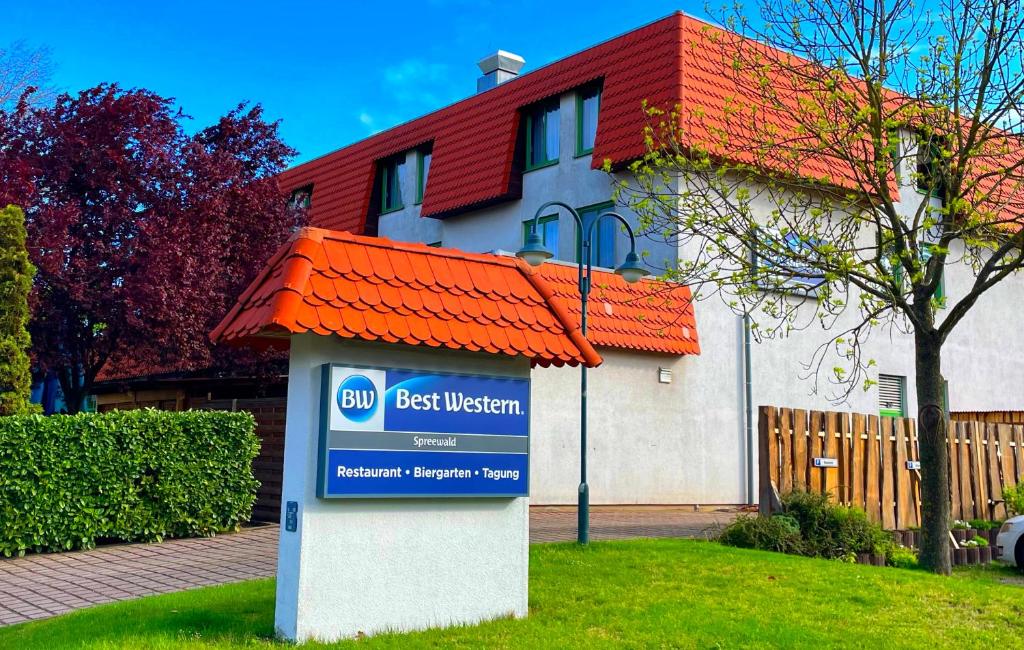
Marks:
<point>70,481</point>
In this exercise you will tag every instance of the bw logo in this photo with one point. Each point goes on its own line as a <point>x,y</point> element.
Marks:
<point>357,398</point>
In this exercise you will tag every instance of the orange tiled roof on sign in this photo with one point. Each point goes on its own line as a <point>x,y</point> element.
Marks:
<point>334,283</point>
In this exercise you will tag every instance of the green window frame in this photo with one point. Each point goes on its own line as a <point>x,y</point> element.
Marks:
<point>896,143</point>
<point>940,291</point>
<point>547,228</point>
<point>542,136</point>
<point>423,159</point>
<point>586,123</point>
<point>892,396</point>
<point>391,176</point>
<point>604,239</point>
<point>928,150</point>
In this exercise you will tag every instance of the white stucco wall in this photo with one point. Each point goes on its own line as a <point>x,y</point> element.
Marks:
<point>648,442</point>
<point>372,565</point>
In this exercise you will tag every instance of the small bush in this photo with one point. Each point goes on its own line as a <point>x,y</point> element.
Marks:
<point>901,557</point>
<point>68,481</point>
<point>1014,498</point>
<point>830,530</point>
<point>810,524</point>
<point>779,533</point>
<point>982,524</point>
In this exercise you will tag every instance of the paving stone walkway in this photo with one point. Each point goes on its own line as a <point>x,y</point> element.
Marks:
<point>40,586</point>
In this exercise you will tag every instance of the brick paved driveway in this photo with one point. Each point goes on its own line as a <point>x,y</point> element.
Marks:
<point>39,586</point>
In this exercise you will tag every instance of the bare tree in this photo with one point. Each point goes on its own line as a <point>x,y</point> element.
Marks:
<point>857,149</point>
<point>23,68</point>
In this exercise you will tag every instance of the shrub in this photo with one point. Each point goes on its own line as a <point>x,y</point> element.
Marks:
<point>68,481</point>
<point>901,557</point>
<point>976,541</point>
<point>830,530</point>
<point>982,524</point>
<point>778,533</point>
<point>1013,498</point>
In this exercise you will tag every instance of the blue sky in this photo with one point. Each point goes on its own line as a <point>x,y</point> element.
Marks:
<point>333,72</point>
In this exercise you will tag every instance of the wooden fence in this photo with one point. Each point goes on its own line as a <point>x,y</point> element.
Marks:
<point>994,417</point>
<point>871,462</point>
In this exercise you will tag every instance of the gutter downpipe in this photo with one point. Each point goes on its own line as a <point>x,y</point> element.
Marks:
<point>748,399</point>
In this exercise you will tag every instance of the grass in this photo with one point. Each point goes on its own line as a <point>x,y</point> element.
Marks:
<point>676,593</point>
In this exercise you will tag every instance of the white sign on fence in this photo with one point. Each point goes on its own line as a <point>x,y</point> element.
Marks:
<point>826,462</point>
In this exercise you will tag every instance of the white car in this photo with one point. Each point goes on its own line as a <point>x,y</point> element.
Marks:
<point>1011,542</point>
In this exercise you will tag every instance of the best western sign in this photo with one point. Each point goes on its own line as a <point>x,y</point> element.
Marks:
<point>402,433</point>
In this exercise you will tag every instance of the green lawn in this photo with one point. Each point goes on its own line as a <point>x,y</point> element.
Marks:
<point>636,594</point>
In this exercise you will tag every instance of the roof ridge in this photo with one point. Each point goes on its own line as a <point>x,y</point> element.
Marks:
<point>561,311</point>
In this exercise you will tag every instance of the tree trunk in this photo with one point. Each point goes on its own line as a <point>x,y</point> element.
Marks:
<point>932,431</point>
<point>71,384</point>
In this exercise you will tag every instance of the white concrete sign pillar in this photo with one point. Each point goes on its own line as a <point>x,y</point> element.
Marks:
<point>369,565</point>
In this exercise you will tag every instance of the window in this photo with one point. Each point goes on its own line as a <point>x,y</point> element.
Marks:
<point>302,197</point>
<point>422,169</point>
<point>929,172</point>
<point>392,176</point>
<point>940,291</point>
<point>792,267</point>
<point>587,104</point>
<point>547,228</point>
<point>603,245</point>
<point>892,396</point>
<point>542,136</point>
<point>896,142</point>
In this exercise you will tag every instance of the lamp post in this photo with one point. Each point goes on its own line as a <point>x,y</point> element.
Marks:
<point>535,254</point>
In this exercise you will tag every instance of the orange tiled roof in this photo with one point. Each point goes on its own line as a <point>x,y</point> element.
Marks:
<point>335,283</point>
<point>474,140</point>
<point>650,315</point>
<point>676,61</point>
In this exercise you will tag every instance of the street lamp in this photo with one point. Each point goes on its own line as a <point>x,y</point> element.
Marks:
<point>631,270</point>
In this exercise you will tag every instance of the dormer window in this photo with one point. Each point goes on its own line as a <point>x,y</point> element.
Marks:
<point>542,135</point>
<point>392,177</point>
<point>301,198</point>
<point>587,103</point>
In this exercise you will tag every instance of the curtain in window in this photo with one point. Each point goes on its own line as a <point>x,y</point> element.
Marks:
<point>588,121</point>
<point>421,181</point>
<point>603,249</point>
<point>394,176</point>
<point>551,133</point>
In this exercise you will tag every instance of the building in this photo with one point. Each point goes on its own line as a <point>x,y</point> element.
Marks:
<point>668,422</point>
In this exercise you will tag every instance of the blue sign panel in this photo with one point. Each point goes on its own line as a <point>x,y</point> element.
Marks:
<point>403,433</point>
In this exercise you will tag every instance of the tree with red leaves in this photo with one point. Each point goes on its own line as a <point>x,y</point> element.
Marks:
<point>143,235</point>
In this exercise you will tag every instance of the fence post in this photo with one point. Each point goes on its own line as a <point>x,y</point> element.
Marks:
<point>765,428</point>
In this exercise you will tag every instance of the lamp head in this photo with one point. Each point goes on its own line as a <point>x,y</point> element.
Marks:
<point>631,270</point>
<point>533,251</point>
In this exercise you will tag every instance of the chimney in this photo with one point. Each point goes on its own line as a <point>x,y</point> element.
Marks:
<point>498,68</point>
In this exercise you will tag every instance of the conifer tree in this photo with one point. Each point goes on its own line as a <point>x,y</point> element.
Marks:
<point>15,283</point>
